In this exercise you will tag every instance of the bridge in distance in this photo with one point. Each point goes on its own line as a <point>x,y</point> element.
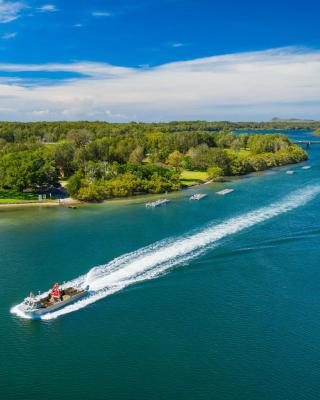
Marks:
<point>308,143</point>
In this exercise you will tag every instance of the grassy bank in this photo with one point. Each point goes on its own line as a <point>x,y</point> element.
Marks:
<point>190,178</point>
<point>13,196</point>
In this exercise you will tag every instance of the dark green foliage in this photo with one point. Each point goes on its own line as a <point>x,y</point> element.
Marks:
<point>124,181</point>
<point>267,143</point>
<point>203,157</point>
<point>64,154</point>
<point>106,160</point>
<point>74,184</point>
<point>137,155</point>
<point>28,170</point>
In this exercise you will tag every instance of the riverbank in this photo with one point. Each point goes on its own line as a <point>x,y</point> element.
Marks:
<point>49,203</point>
<point>69,202</point>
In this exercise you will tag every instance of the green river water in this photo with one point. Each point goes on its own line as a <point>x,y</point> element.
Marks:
<point>216,299</point>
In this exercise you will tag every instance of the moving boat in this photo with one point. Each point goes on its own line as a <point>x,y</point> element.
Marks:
<point>198,196</point>
<point>35,306</point>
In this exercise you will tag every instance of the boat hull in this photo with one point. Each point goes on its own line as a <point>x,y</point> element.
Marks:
<point>56,306</point>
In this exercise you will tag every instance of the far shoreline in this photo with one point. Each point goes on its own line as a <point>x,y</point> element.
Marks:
<point>65,203</point>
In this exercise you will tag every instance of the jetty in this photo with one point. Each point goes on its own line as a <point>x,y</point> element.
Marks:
<point>198,196</point>
<point>157,203</point>
<point>308,143</point>
<point>225,191</point>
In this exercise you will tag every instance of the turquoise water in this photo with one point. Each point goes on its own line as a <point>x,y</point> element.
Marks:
<point>219,299</point>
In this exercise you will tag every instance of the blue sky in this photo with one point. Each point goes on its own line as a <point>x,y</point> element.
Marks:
<point>54,49</point>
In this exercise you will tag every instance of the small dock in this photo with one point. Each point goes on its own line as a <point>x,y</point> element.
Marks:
<point>198,196</point>
<point>224,192</point>
<point>157,203</point>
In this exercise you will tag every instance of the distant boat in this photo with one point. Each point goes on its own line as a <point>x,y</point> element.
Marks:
<point>198,196</point>
<point>225,191</point>
<point>306,167</point>
<point>290,172</point>
<point>157,203</point>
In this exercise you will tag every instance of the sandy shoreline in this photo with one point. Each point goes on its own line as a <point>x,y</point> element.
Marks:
<point>62,202</point>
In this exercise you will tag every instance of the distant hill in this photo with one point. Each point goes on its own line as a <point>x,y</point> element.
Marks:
<point>292,120</point>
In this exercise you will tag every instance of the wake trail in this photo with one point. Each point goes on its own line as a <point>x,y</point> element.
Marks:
<point>154,260</point>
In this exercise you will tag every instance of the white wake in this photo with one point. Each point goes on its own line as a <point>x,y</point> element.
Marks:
<point>154,260</point>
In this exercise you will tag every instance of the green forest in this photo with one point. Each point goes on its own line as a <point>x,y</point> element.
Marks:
<point>100,160</point>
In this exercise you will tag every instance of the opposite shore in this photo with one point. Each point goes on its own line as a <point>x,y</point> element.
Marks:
<point>93,161</point>
<point>70,202</point>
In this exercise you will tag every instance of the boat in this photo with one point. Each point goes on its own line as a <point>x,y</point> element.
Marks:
<point>225,191</point>
<point>35,306</point>
<point>290,172</point>
<point>198,196</point>
<point>157,203</point>
<point>306,167</point>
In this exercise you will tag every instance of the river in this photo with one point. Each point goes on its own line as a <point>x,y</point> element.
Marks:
<point>216,299</point>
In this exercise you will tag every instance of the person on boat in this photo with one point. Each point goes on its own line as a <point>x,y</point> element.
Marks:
<point>55,293</point>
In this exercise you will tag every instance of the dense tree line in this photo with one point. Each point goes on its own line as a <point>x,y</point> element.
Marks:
<point>55,131</point>
<point>104,160</point>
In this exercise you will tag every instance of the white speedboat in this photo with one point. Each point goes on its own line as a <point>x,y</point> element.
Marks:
<point>35,306</point>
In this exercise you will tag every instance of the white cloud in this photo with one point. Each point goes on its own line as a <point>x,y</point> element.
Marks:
<point>177,45</point>
<point>10,10</point>
<point>9,35</point>
<point>101,14</point>
<point>256,85</point>
<point>47,8</point>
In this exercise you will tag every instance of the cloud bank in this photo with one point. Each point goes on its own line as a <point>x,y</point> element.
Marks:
<point>246,86</point>
<point>10,11</point>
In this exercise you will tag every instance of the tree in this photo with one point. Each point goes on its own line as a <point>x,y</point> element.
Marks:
<point>219,158</point>
<point>137,155</point>
<point>267,143</point>
<point>215,172</point>
<point>64,154</point>
<point>80,137</point>
<point>198,156</point>
<point>28,170</point>
<point>74,184</point>
<point>174,159</point>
